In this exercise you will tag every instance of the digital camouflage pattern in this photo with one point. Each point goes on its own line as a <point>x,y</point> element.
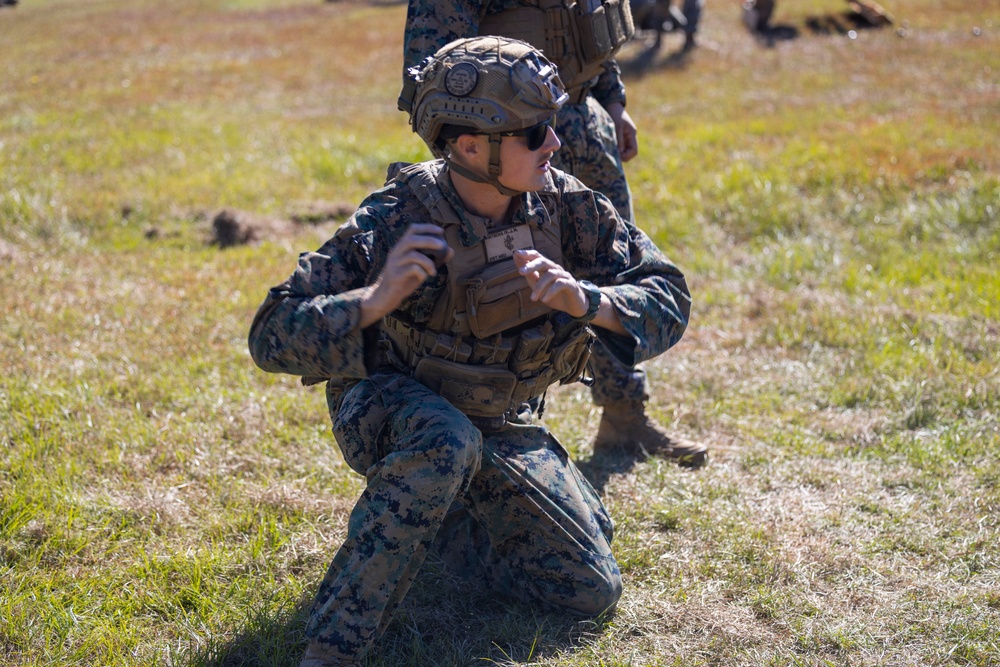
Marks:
<point>590,152</point>
<point>308,325</point>
<point>435,482</point>
<point>508,509</point>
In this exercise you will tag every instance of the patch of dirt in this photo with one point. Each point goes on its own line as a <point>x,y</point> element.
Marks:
<point>232,227</point>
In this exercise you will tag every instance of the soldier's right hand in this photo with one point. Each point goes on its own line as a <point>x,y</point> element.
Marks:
<point>414,259</point>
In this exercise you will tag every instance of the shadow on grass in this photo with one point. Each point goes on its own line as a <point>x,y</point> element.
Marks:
<point>599,468</point>
<point>838,24</point>
<point>770,35</point>
<point>649,61</point>
<point>441,623</point>
<point>266,638</point>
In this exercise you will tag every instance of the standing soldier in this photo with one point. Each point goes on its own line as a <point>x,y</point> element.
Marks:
<point>597,134</point>
<point>451,298</point>
<point>664,16</point>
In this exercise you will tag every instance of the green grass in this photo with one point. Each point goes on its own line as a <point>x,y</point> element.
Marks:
<point>835,203</point>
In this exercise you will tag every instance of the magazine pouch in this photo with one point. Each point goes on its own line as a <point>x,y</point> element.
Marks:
<point>478,391</point>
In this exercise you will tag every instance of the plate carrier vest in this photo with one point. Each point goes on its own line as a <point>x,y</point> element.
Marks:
<point>579,36</point>
<point>487,347</point>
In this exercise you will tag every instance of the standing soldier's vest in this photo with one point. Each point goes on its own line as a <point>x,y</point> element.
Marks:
<point>579,36</point>
<point>487,347</point>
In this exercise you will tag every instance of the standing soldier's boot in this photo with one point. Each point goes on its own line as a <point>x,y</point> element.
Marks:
<point>689,42</point>
<point>626,427</point>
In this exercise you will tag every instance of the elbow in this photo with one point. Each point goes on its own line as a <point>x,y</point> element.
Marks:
<point>263,353</point>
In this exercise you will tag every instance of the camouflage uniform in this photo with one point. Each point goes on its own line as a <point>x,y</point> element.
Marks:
<point>589,151</point>
<point>507,508</point>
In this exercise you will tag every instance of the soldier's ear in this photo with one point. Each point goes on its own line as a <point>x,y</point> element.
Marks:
<point>468,146</point>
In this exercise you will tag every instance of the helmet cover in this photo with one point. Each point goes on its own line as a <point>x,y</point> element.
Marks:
<point>487,84</point>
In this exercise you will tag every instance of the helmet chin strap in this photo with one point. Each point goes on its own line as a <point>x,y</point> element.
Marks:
<point>494,169</point>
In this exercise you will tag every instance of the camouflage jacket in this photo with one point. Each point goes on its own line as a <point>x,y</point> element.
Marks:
<point>430,24</point>
<point>309,325</point>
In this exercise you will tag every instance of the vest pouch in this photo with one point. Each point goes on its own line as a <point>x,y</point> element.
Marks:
<point>533,387</point>
<point>499,299</point>
<point>478,391</point>
<point>569,359</point>
<point>604,29</point>
<point>595,38</point>
<point>620,25</point>
<point>532,350</point>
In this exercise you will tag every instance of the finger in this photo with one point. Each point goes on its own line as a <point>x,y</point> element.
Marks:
<point>539,265</point>
<point>426,265</point>
<point>550,284</point>
<point>525,255</point>
<point>629,147</point>
<point>629,153</point>
<point>423,235</point>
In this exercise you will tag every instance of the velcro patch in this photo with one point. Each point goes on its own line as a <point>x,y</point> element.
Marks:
<point>502,245</point>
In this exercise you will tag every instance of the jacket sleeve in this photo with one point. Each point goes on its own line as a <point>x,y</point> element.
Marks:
<point>309,325</point>
<point>647,289</point>
<point>609,86</point>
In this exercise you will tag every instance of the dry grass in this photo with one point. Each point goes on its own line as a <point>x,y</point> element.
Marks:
<point>834,201</point>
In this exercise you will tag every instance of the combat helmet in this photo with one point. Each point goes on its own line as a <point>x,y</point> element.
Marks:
<point>483,85</point>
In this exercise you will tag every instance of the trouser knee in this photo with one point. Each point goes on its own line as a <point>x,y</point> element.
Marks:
<point>602,595</point>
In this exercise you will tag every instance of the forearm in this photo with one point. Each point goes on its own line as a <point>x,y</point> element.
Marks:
<point>607,317</point>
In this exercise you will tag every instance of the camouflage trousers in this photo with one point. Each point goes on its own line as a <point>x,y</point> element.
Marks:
<point>614,382</point>
<point>590,152</point>
<point>509,509</point>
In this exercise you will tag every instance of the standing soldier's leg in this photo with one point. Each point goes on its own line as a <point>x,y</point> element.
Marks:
<point>533,527</point>
<point>692,15</point>
<point>419,454</point>
<point>590,152</point>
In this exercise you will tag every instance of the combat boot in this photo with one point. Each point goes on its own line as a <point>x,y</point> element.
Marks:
<point>625,427</point>
<point>317,655</point>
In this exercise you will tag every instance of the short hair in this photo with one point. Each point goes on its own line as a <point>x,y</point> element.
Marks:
<point>450,132</point>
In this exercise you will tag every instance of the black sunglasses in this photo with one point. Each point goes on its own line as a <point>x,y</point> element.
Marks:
<point>536,134</point>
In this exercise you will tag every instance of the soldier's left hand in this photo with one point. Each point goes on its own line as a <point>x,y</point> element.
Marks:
<point>551,284</point>
<point>628,134</point>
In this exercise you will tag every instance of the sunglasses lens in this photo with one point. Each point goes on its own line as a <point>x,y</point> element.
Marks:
<point>537,136</point>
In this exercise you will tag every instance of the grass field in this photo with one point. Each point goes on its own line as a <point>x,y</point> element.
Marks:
<point>833,198</point>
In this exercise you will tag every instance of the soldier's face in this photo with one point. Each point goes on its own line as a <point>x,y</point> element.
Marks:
<point>525,169</point>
